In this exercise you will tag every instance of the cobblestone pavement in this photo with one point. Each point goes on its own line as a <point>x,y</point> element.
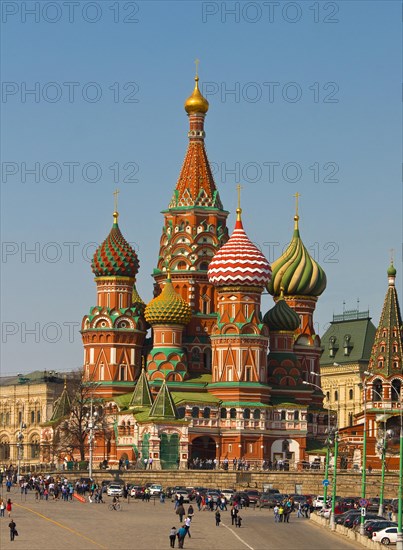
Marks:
<point>139,525</point>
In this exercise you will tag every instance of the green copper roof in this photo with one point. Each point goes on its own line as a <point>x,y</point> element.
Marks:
<point>163,406</point>
<point>181,398</point>
<point>62,405</point>
<point>357,334</point>
<point>281,317</point>
<point>296,271</point>
<point>141,395</point>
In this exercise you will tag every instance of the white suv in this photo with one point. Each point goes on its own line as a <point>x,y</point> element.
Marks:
<point>155,490</point>
<point>319,502</point>
<point>114,490</point>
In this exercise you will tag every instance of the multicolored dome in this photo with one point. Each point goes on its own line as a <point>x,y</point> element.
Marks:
<point>168,308</point>
<point>115,257</point>
<point>239,261</point>
<point>196,103</point>
<point>296,271</point>
<point>281,317</point>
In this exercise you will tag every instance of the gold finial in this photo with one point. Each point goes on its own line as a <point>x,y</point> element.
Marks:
<point>143,362</point>
<point>197,61</point>
<point>168,273</point>
<point>239,209</point>
<point>116,213</point>
<point>196,103</point>
<point>65,381</point>
<point>392,255</point>
<point>296,217</point>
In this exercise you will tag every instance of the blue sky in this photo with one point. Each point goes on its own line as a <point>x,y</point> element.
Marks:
<point>315,107</point>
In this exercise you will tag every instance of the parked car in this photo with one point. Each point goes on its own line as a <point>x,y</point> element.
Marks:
<point>114,490</point>
<point>374,525</point>
<point>357,520</point>
<point>254,496</point>
<point>349,521</point>
<point>227,493</point>
<point>386,536</point>
<point>214,495</point>
<point>340,519</point>
<point>136,491</point>
<point>319,502</point>
<point>155,490</point>
<point>242,498</point>
<point>276,498</point>
<point>181,493</point>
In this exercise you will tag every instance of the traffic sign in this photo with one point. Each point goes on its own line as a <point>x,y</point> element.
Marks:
<point>363,511</point>
<point>325,482</point>
<point>363,502</point>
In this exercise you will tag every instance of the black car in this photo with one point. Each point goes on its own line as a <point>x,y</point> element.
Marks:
<point>340,519</point>
<point>357,520</point>
<point>349,521</point>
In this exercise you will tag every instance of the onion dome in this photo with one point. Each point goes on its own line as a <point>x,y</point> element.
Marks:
<point>281,317</point>
<point>168,308</point>
<point>115,257</point>
<point>239,261</point>
<point>196,103</point>
<point>296,271</point>
<point>391,270</point>
<point>136,298</point>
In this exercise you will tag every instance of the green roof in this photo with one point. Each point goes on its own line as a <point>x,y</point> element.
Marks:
<point>141,395</point>
<point>180,398</point>
<point>123,401</point>
<point>163,406</point>
<point>243,404</point>
<point>359,334</point>
<point>62,405</point>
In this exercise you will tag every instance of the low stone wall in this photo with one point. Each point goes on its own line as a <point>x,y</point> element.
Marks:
<point>288,482</point>
<point>349,533</point>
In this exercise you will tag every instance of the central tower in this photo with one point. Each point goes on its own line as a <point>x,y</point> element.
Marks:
<point>194,229</point>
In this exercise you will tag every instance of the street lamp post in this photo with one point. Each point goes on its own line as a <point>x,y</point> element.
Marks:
<point>336,452</point>
<point>20,446</point>
<point>399,542</point>
<point>92,418</point>
<point>364,452</point>
<point>328,442</point>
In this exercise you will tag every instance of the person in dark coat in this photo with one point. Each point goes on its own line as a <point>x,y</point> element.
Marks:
<point>181,512</point>
<point>13,530</point>
<point>217,518</point>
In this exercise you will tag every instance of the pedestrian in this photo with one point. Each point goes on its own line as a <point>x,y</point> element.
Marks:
<point>276,514</point>
<point>238,521</point>
<point>180,510</point>
<point>162,497</point>
<point>188,521</point>
<point>234,513</point>
<point>281,513</point>
<point>287,513</point>
<point>13,530</point>
<point>172,536</point>
<point>9,507</point>
<point>191,511</point>
<point>217,518</point>
<point>299,511</point>
<point>181,536</point>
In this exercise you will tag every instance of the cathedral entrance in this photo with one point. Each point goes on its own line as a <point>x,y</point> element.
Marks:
<point>203,448</point>
<point>169,451</point>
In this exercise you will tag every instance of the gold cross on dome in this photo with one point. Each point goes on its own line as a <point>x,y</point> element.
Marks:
<point>297,196</point>
<point>238,188</point>
<point>116,193</point>
<point>197,61</point>
<point>392,255</point>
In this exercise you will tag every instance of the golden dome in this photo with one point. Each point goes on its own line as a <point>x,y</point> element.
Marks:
<point>196,103</point>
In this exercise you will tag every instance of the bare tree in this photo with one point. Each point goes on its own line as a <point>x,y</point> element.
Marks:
<point>72,433</point>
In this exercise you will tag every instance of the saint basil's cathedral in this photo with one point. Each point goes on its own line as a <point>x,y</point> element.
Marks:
<point>218,378</point>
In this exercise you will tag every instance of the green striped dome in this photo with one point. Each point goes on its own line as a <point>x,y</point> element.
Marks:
<point>168,308</point>
<point>296,271</point>
<point>281,317</point>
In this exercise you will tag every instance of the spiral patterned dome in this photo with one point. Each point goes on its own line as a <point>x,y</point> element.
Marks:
<point>296,271</point>
<point>281,317</point>
<point>168,308</point>
<point>115,256</point>
<point>239,261</point>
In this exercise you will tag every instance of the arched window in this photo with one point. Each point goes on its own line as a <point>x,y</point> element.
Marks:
<point>328,395</point>
<point>38,416</point>
<point>203,266</point>
<point>336,395</point>
<point>377,390</point>
<point>256,414</point>
<point>181,265</point>
<point>32,417</point>
<point>246,414</point>
<point>206,412</point>
<point>325,419</point>
<point>4,450</point>
<point>181,412</point>
<point>223,413</point>
<point>396,389</point>
<point>35,447</point>
<point>351,394</point>
<point>195,412</point>
<point>350,419</point>
<point>296,415</point>
<point>232,413</point>
<point>282,415</point>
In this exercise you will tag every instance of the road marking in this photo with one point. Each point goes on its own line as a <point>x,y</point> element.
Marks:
<point>62,526</point>
<point>239,538</point>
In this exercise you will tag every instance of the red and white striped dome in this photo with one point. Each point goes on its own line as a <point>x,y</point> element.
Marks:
<point>239,262</point>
